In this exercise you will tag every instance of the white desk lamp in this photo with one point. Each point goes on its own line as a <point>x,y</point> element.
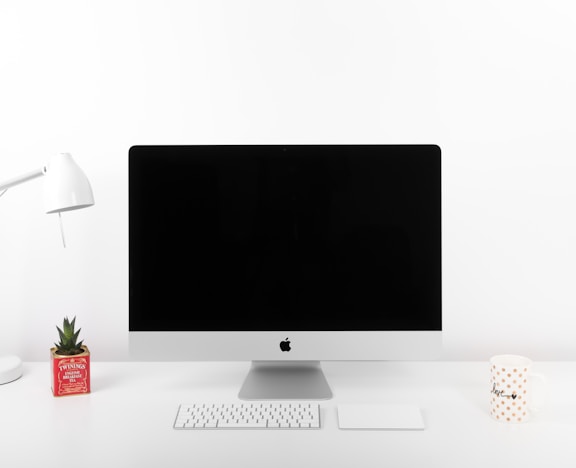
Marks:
<point>66,188</point>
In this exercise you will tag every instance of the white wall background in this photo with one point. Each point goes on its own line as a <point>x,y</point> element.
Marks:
<point>493,83</point>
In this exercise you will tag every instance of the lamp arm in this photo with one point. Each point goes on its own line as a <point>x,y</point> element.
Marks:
<point>21,179</point>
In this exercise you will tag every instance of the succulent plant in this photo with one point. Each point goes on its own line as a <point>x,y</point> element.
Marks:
<point>68,337</point>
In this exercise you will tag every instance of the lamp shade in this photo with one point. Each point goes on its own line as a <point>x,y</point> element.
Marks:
<point>66,187</point>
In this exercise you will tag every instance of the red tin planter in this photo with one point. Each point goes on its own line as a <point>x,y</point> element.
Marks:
<point>70,374</point>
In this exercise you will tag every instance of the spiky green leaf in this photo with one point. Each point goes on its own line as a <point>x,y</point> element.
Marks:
<point>68,329</point>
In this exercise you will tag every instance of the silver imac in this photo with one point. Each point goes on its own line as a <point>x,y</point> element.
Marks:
<point>286,256</point>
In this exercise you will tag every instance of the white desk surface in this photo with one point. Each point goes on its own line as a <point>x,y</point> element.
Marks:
<point>127,420</point>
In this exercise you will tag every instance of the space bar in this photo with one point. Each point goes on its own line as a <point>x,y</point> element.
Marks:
<point>240,425</point>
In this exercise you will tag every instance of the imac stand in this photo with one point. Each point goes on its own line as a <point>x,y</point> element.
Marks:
<point>285,380</point>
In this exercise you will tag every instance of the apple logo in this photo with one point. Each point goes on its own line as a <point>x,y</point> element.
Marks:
<point>285,345</point>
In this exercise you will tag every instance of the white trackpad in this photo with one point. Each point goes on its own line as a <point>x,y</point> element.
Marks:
<point>383,417</point>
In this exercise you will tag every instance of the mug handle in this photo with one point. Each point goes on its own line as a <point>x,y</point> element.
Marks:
<point>542,398</point>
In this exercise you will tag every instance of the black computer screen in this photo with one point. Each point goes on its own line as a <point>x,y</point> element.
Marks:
<point>277,238</point>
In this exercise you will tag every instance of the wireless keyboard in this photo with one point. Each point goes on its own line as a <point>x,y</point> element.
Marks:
<point>254,415</point>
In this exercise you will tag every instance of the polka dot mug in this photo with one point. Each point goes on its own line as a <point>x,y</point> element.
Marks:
<point>511,392</point>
